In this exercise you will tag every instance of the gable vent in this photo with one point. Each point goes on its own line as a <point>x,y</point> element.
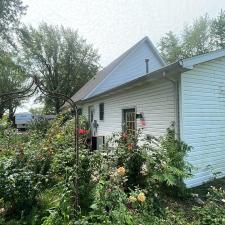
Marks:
<point>146,64</point>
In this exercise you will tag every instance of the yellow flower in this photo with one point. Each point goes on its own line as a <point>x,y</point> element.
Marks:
<point>121,171</point>
<point>58,136</point>
<point>132,199</point>
<point>141,197</point>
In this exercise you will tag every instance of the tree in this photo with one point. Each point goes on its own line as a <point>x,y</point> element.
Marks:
<point>37,111</point>
<point>12,78</point>
<point>10,14</point>
<point>170,47</point>
<point>63,60</point>
<point>194,39</point>
<point>218,30</point>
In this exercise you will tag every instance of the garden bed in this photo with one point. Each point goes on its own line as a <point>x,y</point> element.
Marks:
<point>131,185</point>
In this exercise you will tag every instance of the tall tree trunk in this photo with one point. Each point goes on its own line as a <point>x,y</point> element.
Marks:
<point>2,110</point>
<point>11,115</point>
<point>57,105</point>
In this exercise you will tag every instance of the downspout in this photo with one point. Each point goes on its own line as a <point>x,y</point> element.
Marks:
<point>176,105</point>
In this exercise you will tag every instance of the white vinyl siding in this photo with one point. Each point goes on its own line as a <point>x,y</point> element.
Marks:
<point>203,119</point>
<point>155,100</point>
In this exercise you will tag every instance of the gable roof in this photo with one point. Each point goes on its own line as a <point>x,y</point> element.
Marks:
<point>176,67</point>
<point>91,85</point>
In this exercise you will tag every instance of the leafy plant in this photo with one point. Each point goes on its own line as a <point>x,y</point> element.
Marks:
<point>124,185</point>
<point>18,187</point>
<point>212,212</point>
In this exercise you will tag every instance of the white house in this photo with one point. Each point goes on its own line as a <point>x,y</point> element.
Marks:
<point>190,92</point>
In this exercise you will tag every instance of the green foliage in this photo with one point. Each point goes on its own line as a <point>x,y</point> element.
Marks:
<point>196,38</point>
<point>40,126</point>
<point>4,124</point>
<point>212,212</point>
<point>203,35</point>
<point>12,77</point>
<point>170,47</point>
<point>124,186</point>
<point>64,60</point>
<point>18,186</point>
<point>159,161</point>
<point>10,13</point>
<point>37,110</point>
<point>131,178</point>
<point>176,168</point>
<point>218,30</point>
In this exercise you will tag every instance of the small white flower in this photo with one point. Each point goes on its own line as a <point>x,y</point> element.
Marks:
<point>223,200</point>
<point>2,210</point>
<point>94,178</point>
<point>144,170</point>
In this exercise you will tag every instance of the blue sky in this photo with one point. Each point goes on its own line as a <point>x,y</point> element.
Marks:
<point>113,26</point>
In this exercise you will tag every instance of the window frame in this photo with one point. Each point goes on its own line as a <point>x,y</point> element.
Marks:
<point>101,111</point>
<point>80,111</point>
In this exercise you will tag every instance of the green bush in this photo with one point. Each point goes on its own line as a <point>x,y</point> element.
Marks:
<point>18,187</point>
<point>124,185</point>
<point>40,126</point>
<point>155,162</point>
<point>213,211</point>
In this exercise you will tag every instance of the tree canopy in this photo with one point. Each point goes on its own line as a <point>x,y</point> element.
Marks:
<point>218,30</point>
<point>10,14</point>
<point>12,77</point>
<point>204,35</point>
<point>63,60</point>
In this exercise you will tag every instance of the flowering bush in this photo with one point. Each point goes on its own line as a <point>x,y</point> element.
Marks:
<point>124,186</point>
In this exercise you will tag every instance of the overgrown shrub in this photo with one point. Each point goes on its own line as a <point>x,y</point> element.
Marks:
<point>40,126</point>
<point>125,185</point>
<point>155,162</point>
<point>213,211</point>
<point>18,187</point>
<point>147,168</point>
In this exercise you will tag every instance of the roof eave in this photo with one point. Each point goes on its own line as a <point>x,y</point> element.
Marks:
<point>189,63</point>
<point>155,75</point>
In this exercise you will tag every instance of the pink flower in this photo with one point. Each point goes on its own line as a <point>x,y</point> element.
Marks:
<point>124,136</point>
<point>130,146</point>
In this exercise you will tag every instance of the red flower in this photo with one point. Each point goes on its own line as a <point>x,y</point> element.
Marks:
<point>83,131</point>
